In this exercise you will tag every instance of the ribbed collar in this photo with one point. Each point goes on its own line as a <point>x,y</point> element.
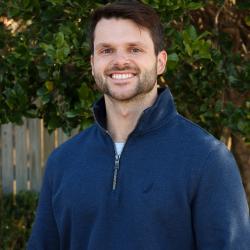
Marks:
<point>151,118</point>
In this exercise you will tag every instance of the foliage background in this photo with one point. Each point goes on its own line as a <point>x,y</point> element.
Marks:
<point>17,215</point>
<point>45,69</point>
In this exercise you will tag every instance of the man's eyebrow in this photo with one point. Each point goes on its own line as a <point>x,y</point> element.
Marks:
<point>129,44</point>
<point>134,44</point>
<point>103,45</point>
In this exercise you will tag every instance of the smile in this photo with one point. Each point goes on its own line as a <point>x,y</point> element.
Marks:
<point>122,76</point>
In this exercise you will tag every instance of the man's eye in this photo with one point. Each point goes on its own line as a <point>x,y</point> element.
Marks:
<point>135,50</point>
<point>106,51</point>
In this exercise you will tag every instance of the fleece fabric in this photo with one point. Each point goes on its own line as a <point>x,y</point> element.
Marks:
<point>174,187</point>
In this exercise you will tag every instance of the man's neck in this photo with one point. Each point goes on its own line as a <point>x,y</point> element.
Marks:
<point>122,117</point>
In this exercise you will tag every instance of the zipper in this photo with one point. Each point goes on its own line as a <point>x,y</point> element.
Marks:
<point>116,169</point>
<point>117,161</point>
<point>117,164</point>
<point>117,157</point>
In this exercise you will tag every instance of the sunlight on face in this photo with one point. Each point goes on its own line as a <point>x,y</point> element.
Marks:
<point>124,63</point>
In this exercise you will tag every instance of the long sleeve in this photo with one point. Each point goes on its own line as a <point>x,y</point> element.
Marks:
<point>220,209</point>
<point>44,234</point>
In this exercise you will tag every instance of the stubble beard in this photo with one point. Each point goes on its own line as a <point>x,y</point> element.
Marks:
<point>145,83</point>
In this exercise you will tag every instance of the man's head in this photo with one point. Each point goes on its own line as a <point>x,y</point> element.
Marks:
<point>127,50</point>
<point>142,15</point>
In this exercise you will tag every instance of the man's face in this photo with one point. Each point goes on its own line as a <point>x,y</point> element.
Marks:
<point>124,63</point>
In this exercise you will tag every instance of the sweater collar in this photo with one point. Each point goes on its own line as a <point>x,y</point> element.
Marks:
<point>160,112</point>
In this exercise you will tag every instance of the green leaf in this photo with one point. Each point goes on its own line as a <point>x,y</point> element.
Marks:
<point>188,48</point>
<point>43,72</point>
<point>32,113</point>
<point>173,57</point>
<point>49,85</point>
<point>26,3</point>
<point>55,2</point>
<point>59,40</point>
<point>243,5</point>
<point>173,60</point>
<point>218,106</point>
<point>242,125</point>
<point>192,32</point>
<point>204,53</point>
<point>49,49</point>
<point>13,11</point>
<point>71,114</point>
<point>83,92</point>
<point>204,34</point>
<point>194,6</point>
<point>41,92</point>
<point>53,123</point>
<point>247,20</point>
<point>45,99</point>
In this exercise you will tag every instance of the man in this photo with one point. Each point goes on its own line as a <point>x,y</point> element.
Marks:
<point>142,177</point>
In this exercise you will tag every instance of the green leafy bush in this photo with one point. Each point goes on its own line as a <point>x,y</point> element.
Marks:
<point>17,215</point>
<point>45,70</point>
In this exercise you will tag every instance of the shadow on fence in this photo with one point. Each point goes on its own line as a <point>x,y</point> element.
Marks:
<point>23,154</point>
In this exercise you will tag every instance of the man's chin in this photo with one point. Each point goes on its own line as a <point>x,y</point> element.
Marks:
<point>122,96</point>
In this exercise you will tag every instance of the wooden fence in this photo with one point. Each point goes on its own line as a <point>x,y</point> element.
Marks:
<point>23,154</point>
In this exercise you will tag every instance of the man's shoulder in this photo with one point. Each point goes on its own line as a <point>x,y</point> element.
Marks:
<point>75,144</point>
<point>190,129</point>
<point>70,154</point>
<point>205,156</point>
<point>195,138</point>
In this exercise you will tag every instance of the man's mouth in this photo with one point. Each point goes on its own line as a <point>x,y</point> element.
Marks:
<point>121,76</point>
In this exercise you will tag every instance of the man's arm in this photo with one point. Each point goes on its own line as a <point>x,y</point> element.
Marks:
<point>44,232</point>
<point>220,210</point>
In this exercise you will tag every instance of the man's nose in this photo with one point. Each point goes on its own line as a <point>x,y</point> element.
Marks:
<point>120,58</point>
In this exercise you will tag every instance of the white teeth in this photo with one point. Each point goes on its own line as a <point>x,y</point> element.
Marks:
<point>121,76</point>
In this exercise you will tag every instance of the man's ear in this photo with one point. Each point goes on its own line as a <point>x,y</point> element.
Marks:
<point>92,64</point>
<point>161,62</point>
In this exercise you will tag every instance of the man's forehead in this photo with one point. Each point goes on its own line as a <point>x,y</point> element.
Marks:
<point>111,24</point>
<point>112,30</point>
<point>128,44</point>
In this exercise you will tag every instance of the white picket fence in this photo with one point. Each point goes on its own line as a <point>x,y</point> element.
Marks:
<point>23,154</point>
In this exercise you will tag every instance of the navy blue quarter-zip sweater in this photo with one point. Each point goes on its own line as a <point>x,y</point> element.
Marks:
<point>174,187</point>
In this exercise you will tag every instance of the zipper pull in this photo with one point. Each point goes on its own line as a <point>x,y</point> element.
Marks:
<point>117,162</point>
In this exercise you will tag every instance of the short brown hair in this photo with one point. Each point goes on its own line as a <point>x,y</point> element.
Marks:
<point>142,14</point>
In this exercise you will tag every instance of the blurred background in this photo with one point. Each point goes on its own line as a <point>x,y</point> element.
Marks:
<point>47,91</point>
